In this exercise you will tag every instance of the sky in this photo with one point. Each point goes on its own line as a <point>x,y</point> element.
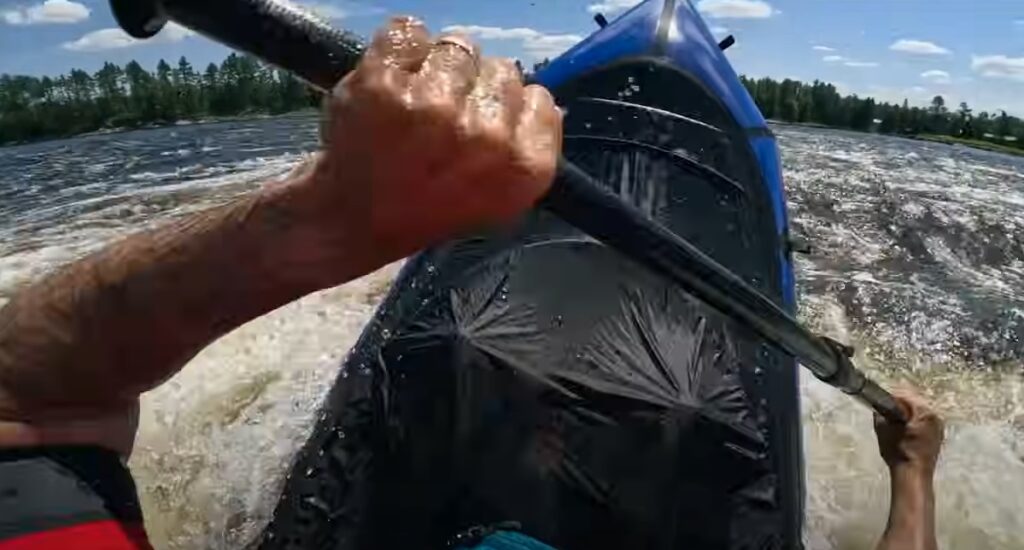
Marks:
<point>965,50</point>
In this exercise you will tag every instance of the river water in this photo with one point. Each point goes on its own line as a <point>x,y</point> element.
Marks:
<point>918,260</point>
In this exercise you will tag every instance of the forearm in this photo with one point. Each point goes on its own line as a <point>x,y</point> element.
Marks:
<point>100,331</point>
<point>911,523</point>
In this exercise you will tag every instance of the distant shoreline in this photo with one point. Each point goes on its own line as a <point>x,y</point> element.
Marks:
<point>972,143</point>
<point>932,138</point>
<point>157,125</point>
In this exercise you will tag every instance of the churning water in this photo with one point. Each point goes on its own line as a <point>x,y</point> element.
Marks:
<point>918,252</point>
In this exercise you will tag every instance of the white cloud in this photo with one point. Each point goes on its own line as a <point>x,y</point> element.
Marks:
<point>920,47</point>
<point>111,39</point>
<point>736,9</point>
<point>999,66</point>
<point>936,76</point>
<point>718,29</point>
<point>329,10</point>
<point>849,62</point>
<point>823,49</point>
<point>536,44</point>
<point>50,11</point>
<point>612,7</point>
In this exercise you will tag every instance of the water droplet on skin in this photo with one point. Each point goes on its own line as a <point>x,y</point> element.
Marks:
<point>344,373</point>
<point>385,334</point>
<point>587,125</point>
<point>309,471</point>
<point>758,371</point>
<point>431,269</point>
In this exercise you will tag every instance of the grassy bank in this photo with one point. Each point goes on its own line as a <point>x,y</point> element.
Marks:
<point>975,143</point>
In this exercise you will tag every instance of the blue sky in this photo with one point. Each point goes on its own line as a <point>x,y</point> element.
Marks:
<point>970,50</point>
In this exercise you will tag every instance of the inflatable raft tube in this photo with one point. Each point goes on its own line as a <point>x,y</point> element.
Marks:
<point>535,376</point>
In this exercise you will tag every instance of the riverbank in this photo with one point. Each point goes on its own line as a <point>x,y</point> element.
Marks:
<point>162,124</point>
<point>934,138</point>
<point>182,122</point>
<point>972,143</point>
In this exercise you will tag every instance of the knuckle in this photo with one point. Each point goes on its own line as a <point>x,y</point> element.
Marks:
<point>438,108</point>
<point>492,135</point>
<point>504,68</point>
<point>403,20</point>
<point>378,86</point>
<point>540,94</point>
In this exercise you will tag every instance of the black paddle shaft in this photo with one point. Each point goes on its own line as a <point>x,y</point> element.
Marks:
<point>289,37</point>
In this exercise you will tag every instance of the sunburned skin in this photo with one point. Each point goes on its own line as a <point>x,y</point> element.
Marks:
<point>425,141</point>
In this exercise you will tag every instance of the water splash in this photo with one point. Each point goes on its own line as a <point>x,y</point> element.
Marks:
<point>918,264</point>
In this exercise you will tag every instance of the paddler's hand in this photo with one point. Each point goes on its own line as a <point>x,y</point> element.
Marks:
<point>912,452</point>
<point>914,446</point>
<point>427,140</point>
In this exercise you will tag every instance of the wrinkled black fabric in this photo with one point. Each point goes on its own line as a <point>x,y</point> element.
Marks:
<point>537,376</point>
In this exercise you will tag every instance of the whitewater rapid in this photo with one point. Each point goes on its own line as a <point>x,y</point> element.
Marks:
<point>918,252</point>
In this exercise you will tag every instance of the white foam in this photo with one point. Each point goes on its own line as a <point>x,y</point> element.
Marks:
<point>215,441</point>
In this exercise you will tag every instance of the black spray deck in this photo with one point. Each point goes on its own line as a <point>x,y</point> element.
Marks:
<point>537,376</point>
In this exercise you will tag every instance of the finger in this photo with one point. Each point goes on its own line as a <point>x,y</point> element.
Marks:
<point>907,403</point>
<point>539,136</point>
<point>396,52</point>
<point>403,43</point>
<point>496,102</point>
<point>449,71</point>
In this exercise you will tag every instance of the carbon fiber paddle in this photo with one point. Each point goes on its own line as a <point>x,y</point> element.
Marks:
<point>284,35</point>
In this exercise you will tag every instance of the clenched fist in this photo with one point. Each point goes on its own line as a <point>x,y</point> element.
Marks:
<point>427,140</point>
<point>914,445</point>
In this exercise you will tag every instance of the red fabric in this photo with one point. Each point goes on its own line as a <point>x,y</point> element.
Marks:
<point>97,535</point>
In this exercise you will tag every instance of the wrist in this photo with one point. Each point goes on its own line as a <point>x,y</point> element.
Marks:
<point>911,476</point>
<point>316,245</point>
<point>912,471</point>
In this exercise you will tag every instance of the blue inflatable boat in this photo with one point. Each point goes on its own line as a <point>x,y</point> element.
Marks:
<point>535,382</point>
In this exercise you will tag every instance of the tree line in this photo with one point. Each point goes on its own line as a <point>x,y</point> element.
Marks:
<point>34,108</point>
<point>821,103</point>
